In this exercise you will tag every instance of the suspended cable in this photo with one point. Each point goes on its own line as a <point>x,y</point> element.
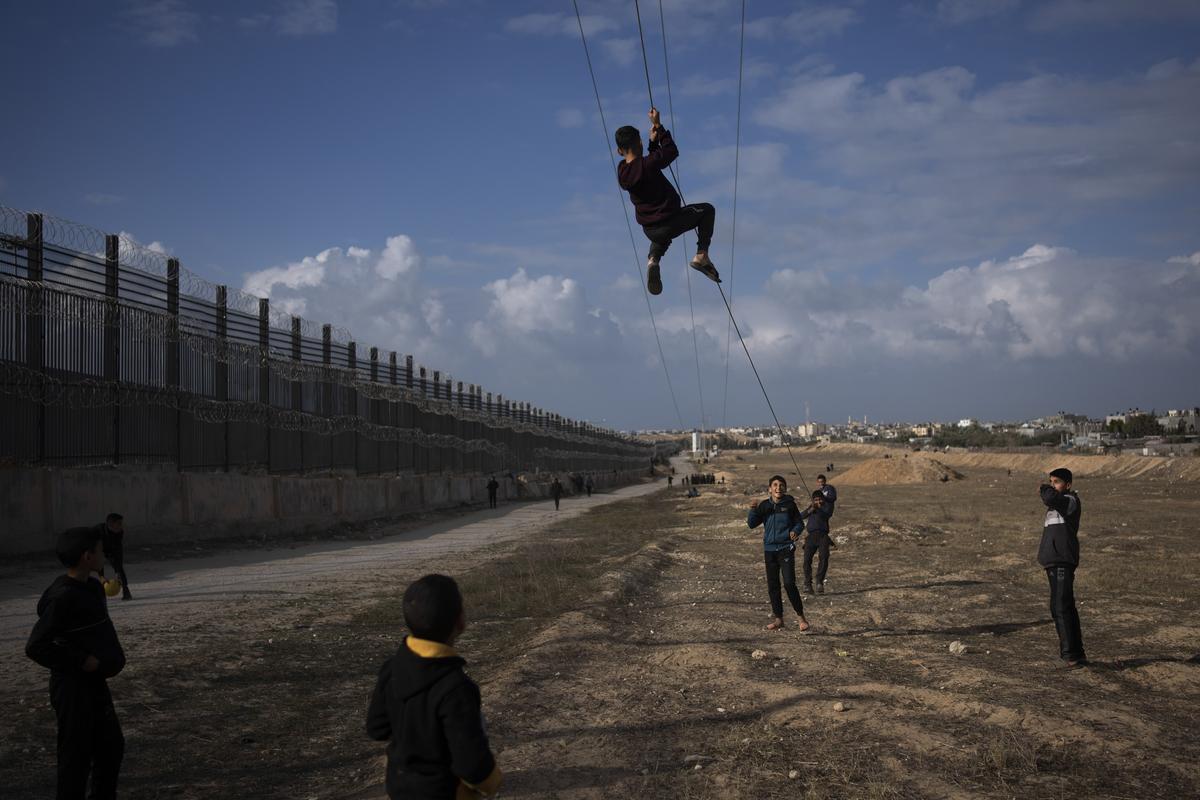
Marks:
<point>782,435</point>
<point>687,271</point>
<point>737,152</point>
<point>620,195</point>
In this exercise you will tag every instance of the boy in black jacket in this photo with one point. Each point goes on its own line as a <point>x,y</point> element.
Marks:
<point>656,204</point>
<point>1058,554</point>
<point>780,520</point>
<point>816,520</point>
<point>426,707</point>
<point>75,639</point>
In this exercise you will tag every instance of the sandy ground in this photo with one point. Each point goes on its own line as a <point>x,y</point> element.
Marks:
<point>647,673</point>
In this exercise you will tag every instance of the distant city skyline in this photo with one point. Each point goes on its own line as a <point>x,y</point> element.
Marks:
<point>945,208</point>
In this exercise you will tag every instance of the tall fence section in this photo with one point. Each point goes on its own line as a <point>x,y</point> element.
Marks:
<point>113,353</point>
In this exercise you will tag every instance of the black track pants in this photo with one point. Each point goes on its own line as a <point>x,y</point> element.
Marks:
<point>811,547</point>
<point>1062,608</point>
<point>784,561</point>
<point>701,216</point>
<point>90,741</point>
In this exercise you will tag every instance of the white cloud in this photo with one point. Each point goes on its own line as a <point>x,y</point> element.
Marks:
<point>569,118</point>
<point>308,18</point>
<point>1193,259</point>
<point>128,240</point>
<point>1075,14</point>
<point>399,258</point>
<point>559,24</point>
<point>623,51</point>
<point>163,23</point>
<point>379,297</point>
<point>1044,304</point>
<point>806,25</point>
<point>960,12</point>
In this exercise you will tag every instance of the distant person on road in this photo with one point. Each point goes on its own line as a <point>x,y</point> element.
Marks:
<point>112,533</point>
<point>75,639</point>
<point>587,484</point>
<point>492,486</point>
<point>780,519</point>
<point>427,709</point>
<point>670,480</point>
<point>556,491</point>
<point>816,540</point>
<point>1058,554</point>
<point>828,490</point>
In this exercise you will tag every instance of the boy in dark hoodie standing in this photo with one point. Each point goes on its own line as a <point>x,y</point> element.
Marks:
<point>656,203</point>
<point>75,639</point>
<point>816,523</point>
<point>426,707</point>
<point>1058,554</point>
<point>780,520</point>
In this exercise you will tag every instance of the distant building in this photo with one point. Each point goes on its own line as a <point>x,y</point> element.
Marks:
<point>811,430</point>
<point>967,423</point>
<point>1180,421</point>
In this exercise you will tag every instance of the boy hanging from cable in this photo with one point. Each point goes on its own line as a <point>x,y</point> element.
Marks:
<point>657,204</point>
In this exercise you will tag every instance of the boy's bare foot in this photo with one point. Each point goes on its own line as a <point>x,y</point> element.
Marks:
<point>702,263</point>
<point>653,277</point>
<point>804,625</point>
<point>775,625</point>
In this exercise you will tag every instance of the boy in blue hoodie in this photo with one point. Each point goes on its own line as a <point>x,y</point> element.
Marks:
<point>427,709</point>
<point>1058,554</point>
<point>780,520</point>
<point>75,639</point>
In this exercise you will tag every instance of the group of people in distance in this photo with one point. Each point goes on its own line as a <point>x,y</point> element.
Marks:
<point>424,705</point>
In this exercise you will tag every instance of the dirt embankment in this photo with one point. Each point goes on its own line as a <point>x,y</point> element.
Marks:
<point>899,468</point>
<point>1185,468</point>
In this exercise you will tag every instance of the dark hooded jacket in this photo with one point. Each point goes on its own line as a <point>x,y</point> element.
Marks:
<point>779,520</point>
<point>654,198</point>
<point>1060,536</point>
<point>429,712</point>
<point>73,623</point>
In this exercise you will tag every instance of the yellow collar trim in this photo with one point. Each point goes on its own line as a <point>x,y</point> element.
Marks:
<point>429,649</point>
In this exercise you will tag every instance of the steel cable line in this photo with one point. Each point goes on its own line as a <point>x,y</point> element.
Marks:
<point>629,225</point>
<point>737,152</point>
<point>687,272</point>
<point>728,308</point>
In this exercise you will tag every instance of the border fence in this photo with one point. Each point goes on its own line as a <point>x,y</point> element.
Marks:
<point>113,353</point>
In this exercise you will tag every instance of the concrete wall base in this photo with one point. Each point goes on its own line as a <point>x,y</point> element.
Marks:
<point>163,506</point>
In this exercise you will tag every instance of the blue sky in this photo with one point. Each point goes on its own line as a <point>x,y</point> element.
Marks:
<point>946,208</point>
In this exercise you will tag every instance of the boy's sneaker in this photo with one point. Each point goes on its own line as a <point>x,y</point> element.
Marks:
<point>808,588</point>
<point>653,277</point>
<point>820,588</point>
<point>704,264</point>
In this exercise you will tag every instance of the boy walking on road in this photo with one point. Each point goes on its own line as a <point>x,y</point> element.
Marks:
<point>1058,554</point>
<point>656,203</point>
<point>780,520</point>
<point>492,486</point>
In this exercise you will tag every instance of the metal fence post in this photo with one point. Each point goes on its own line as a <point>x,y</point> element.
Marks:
<point>112,331</point>
<point>35,331</point>
<point>173,381</point>
<point>264,366</point>
<point>298,386</point>
<point>352,363</point>
<point>222,364</point>
<point>327,382</point>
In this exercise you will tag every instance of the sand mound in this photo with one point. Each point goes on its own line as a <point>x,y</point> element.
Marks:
<point>917,468</point>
